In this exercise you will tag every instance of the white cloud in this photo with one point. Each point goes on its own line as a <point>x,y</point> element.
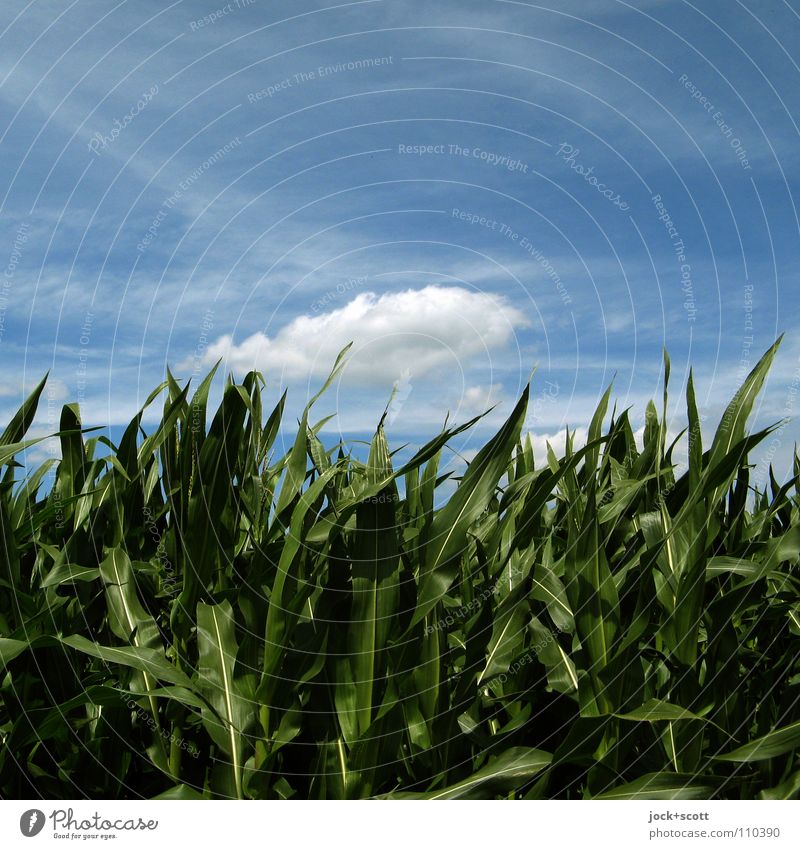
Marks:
<point>557,441</point>
<point>17,391</point>
<point>478,399</point>
<point>416,331</point>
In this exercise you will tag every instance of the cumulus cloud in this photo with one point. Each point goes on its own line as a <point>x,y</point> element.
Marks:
<point>557,441</point>
<point>416,330</point>
<point>478,399</point>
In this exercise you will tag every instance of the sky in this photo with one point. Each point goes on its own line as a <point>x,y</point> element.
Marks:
<point>466,191</point>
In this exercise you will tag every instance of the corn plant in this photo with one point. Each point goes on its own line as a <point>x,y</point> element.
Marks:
<point>192,613</point>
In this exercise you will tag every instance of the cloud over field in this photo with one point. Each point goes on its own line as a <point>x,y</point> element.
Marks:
<point>417,329</point>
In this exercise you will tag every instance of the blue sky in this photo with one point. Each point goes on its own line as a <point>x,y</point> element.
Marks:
<point>464,189</point>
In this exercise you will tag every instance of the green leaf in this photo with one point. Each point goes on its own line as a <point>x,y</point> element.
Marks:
<point>217,651</point>
<point>68,573</point>
<point>127,618</point>
<point>655,710</point>
<point>593,596</point>
<point>771,745</point>
<point>281,617</point>
<point>731,429</point>
<point>71,469</point>
<point>212,492</point>
<point>508,633</point>
<point>9,649</point>
<point>181,792</point>
<point>500,776</point>
<point>788,789</point>
<point>21,421</point>
<point>447,535</point>
<point>151,661</point>
<point>375,561</point>
<point>562,675</point>
<point>664,785</point>
<point>548,588</point>
<point>593,435</point>
<point>295,468</point>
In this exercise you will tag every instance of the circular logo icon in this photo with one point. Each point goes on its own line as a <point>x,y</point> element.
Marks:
<point>31,822</point>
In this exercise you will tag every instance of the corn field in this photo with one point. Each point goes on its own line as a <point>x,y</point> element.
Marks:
<point>194,614</point>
